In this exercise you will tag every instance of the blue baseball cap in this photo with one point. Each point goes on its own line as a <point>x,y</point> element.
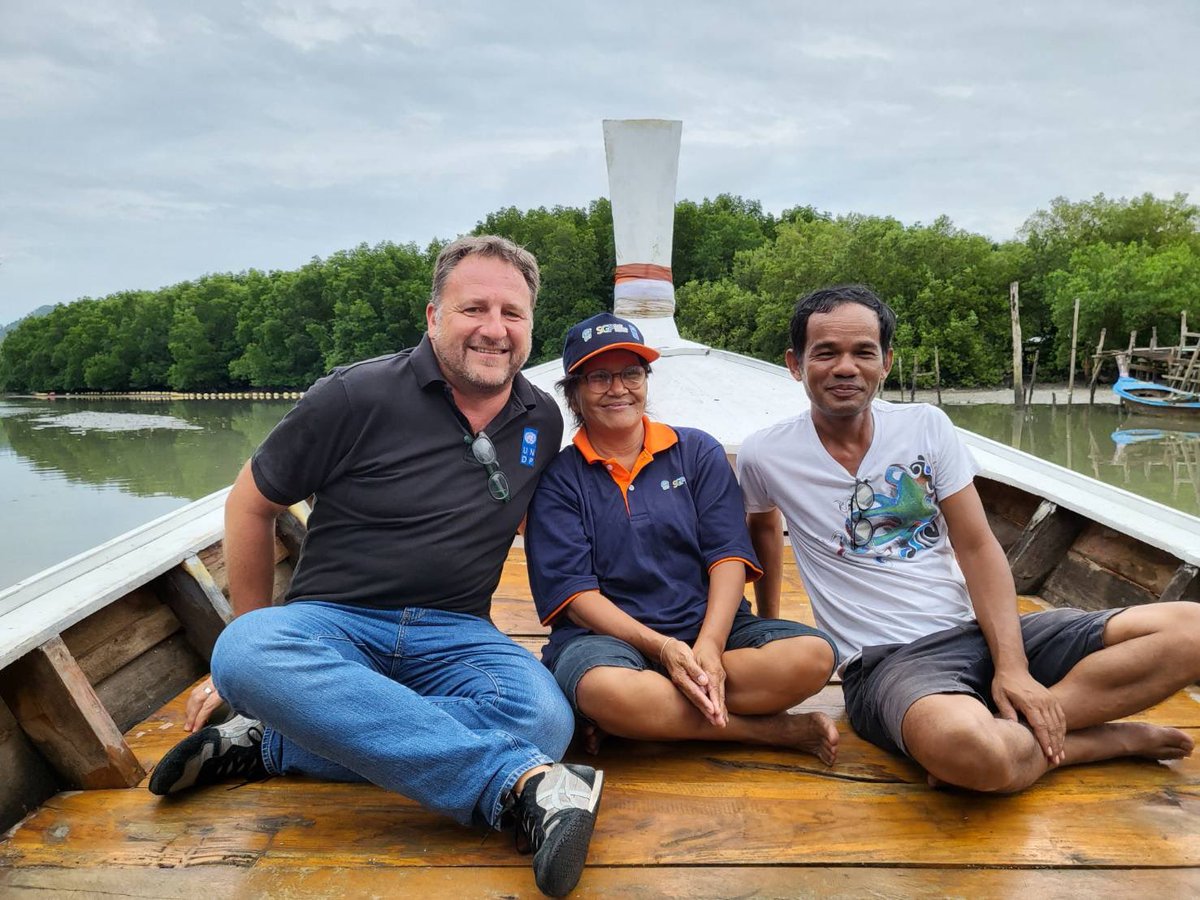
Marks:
<point>600,333</point>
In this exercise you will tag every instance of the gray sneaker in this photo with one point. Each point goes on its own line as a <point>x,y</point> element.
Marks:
<point>232,749</point>
<point>556,813</point>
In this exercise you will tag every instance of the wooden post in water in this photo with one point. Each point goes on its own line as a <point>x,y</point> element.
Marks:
<point>1033,376</point>
<point>912,394</point>
<point>900,376</point>
<point>1014,308</point>
<point>937,375</point>
<point>1096,367</point>
<point>1074,343</point>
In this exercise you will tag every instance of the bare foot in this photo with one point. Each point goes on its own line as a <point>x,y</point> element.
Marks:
<point>1122,739</point>
<point>812,732</point>
<point>593,737</point>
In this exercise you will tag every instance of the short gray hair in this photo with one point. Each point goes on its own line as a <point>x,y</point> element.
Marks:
<point>490,246</point>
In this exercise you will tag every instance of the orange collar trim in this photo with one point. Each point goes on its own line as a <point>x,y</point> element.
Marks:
<point>658,437</point>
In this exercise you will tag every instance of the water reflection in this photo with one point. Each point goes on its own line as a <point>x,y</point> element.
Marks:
<point>1155,459</point>
<point>74,474</point>
<point>1176,454</point>
<point>182,449</point>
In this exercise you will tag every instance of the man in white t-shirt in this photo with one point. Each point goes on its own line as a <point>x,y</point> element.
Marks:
<point>904,572</point>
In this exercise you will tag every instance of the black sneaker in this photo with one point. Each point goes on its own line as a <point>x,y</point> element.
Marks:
<point>230,750</point>
<point>556,813</point>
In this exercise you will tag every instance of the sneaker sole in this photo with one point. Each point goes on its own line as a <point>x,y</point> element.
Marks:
<point>173,767</point>
<point>568,847</point>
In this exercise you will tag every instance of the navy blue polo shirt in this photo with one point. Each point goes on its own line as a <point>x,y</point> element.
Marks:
<point>645,539</point>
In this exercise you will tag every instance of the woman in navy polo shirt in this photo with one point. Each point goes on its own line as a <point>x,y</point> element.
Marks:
<point>638,557</point>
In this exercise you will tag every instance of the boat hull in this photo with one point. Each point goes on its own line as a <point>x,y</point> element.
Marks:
<point>1151,399</point>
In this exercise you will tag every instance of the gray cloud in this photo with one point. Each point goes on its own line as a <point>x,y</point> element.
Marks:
<point>144,144</point>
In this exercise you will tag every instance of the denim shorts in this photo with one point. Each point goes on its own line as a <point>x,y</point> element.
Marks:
<point>590,650</point>
<point>886,680</point>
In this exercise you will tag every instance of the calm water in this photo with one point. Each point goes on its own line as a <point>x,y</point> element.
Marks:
<point>1156,458</point>
<point>76,473</point>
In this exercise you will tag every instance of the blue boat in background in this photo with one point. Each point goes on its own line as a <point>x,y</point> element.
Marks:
<point>1155,399</point>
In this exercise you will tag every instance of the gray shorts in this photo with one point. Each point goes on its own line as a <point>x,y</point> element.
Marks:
<point>886,680</point>
<point>587,651</point>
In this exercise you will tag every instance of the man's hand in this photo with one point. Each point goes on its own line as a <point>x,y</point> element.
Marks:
<point>688,676</point>
<point>1017,692</point>
<point>708,657</point>
<point>201,703</point>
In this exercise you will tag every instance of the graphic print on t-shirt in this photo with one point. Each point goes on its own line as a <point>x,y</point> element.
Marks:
<point>898,518</point>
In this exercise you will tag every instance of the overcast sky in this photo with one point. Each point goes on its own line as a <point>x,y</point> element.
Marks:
<point>143,144</point>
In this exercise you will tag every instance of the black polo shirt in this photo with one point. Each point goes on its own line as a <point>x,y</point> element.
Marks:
<point>403,516</point>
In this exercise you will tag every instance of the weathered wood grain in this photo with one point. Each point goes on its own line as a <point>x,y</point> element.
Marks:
<point>122,631</point>
<point>214,560</point>
<point>1147,567</point>
<point>1184,584</point>
<point>642,824</point>
<point>193,595</point>
<point>27,780</point>
<point>1046,538</point>
<point>263,879</point>
<point>137,689</point>
<point>52,699</point>
<point>290,529</point>
<point>1079,582</point>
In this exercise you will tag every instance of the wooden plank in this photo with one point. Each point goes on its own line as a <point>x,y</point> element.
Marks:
<point>42,607</point>
<point>193,595</point>
<point>1171,530</point>
<point>108,639</point>
<point>1049,534</point>
<point>857,760</point>
<point>668,823</point>
<point>1146,566</point>
<point>282,580</point>
<point>291,527</point>
<point>213,558</point>
<point>1184,585</point>
<point>1081,583</point>
<point>263,879</point>
<point>136,690</point>
<point>56,706</point>
<point>27,781</point>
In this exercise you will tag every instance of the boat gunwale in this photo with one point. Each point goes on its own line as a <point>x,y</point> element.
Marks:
<point>43,605</point>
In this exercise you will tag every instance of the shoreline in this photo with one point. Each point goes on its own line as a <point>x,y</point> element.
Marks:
<point>1043,395</point>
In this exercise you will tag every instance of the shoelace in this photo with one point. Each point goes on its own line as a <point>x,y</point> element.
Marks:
<point>526,833</point>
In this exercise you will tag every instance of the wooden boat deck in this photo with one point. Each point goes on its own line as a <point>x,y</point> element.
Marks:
<point>677,820</point>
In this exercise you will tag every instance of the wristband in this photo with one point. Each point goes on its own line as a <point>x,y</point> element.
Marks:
<point>663,648</point>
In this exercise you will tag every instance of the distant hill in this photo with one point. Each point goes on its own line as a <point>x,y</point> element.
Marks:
<point>40,311</point>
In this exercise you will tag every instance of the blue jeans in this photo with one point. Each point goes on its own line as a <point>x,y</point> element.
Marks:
<point>438,706</point>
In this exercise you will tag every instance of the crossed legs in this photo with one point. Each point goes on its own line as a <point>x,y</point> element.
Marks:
<point>1149,653</point>
<point>761,684</point>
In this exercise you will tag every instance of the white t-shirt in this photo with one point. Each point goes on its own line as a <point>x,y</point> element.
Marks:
<point>872,549</point>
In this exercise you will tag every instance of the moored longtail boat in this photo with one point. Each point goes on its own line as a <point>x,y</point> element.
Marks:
<point>96,656</point>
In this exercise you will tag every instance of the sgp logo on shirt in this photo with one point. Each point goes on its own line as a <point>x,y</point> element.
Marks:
<point>677,483</point>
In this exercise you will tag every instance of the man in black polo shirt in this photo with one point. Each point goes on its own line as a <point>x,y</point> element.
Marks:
<point>383,664</point>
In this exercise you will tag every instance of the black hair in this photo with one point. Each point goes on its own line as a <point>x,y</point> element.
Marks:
<point>828,299</point>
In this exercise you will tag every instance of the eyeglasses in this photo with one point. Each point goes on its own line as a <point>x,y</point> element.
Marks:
<point>861,500</point>
<point>484,452</point>
<point>599,381</point>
